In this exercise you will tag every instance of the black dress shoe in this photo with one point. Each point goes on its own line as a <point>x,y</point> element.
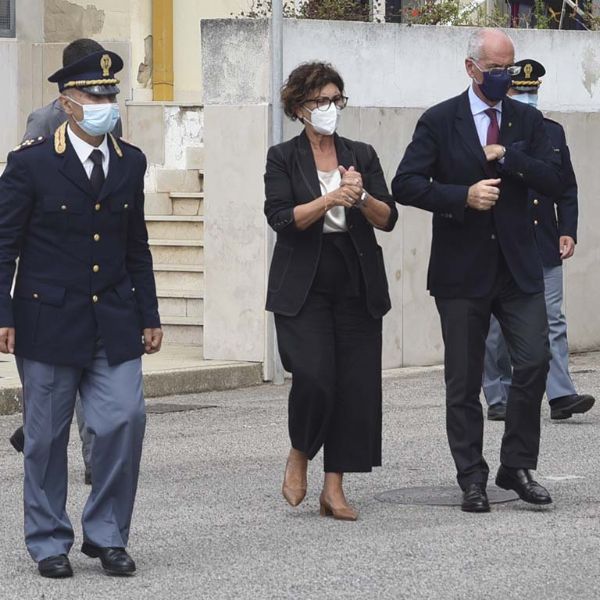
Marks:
<point>520,481</point>
<point>55,567</point>
<point>565,406</point>
<point>475,499</point>
<point>115,561</point>
<point>17,439</point>
<point>497,412</point>
<point>87,478</point>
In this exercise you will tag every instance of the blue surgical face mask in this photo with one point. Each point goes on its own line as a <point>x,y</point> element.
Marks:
<point>98,119</point>
<point>525,98</point>
<point>494,87</point>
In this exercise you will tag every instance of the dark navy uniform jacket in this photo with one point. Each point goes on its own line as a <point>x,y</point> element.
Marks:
<point>85,269</point>
<point>545,209</point>
<point>443,160</point>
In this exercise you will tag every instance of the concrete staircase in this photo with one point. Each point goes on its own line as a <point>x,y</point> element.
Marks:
<point>175,224</point>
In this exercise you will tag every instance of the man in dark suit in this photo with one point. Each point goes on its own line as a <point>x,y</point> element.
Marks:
<point>471,162</point>
<point>84,310</point>
<point>44,122</point>
<point>555,224</point>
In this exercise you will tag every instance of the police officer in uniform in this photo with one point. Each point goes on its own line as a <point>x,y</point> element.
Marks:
<point>555,224</point>
<point>44,122</point>
<point>84,310</point>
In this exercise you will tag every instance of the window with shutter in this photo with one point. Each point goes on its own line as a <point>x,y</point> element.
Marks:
<point>7,18</point>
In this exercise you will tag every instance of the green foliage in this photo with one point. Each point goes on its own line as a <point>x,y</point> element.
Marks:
<point>420,12</point>
<point>336,10</point>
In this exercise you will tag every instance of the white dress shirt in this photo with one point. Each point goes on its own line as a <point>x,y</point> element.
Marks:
<point>83,151</point>
<point>335,217</point>
<point>482,121</point>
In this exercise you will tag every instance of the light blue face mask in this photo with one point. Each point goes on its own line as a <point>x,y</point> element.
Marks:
<point>98,119</point>
<point>525,98</point>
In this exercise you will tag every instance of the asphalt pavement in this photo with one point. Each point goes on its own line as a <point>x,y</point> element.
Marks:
<point>210,522</point>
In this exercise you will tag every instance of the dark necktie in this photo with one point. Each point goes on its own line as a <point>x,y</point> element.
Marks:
<point>493,132</point>
<point>97,176</point>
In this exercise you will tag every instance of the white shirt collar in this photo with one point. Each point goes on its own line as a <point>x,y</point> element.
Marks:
<point>478,105</point>
<point>83,149</point>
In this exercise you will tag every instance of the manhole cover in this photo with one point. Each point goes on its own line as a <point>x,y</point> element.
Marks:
<point>440,496</point>
<point>161,409</point>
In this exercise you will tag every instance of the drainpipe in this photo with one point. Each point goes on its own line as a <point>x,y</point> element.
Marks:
<point>162,50</point>
<point>273,367</point>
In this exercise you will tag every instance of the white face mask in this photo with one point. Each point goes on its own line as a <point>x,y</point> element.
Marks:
<point>98,119</point>
<point>525,98</point>
<point>325,122</point>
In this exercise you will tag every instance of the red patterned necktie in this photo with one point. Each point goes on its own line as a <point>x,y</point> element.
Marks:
<point>493,132</point>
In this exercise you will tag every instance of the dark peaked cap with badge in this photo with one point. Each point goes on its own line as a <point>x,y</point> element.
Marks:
<point>93,74</point>
<point>528,80</point>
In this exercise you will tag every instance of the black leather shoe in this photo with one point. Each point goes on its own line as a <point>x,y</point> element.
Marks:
<point>115,561</point>
<point>497,412</point>
<point>521,481</point>
<point>566,406</point>
<point>55,567</point>
<point>475,499</point>
<point>87,478</point>
<point>17,439</point>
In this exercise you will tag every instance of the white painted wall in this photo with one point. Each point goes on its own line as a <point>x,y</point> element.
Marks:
<point>9,99</point>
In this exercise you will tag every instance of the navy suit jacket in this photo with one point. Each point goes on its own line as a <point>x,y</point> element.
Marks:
<point>85,269</point>
<point>555,215</point>
<point>443,160</point>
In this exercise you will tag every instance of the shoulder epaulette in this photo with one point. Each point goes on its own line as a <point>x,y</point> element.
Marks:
<point>29,143</point>
<point>124,141</point>
<point>552,121</point>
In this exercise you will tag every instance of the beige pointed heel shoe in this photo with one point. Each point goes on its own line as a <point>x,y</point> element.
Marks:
<point>345,513</point>
<point>294,478</point>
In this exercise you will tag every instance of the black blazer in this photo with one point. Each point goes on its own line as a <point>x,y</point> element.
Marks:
<point>443,160</point>
<point>549,228</point>
<point>291,179</point>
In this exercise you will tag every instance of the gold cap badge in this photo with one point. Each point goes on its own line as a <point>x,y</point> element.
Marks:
<point>105,64</point>
<point>527,69</point>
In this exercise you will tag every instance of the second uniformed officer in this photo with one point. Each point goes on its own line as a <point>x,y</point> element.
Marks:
<point>555,224</point>
<point>84,311</point>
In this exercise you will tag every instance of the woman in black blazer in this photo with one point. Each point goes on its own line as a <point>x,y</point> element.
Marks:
<point>327,286</point>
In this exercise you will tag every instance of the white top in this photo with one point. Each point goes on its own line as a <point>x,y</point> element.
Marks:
<point>335,217</point>
<point>83,151</point>
<point>482,121</point>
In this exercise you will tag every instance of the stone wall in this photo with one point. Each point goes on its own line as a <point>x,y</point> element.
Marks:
<point>392,74</point>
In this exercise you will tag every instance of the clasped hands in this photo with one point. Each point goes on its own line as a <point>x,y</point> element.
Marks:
<point>349,192</point>
<point>484,194</point>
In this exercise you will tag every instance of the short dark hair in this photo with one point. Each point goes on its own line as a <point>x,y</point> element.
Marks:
<point>303,80</point>
<point>79,49</point>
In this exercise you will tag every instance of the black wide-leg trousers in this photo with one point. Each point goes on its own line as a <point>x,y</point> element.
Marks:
<point>465,324</point>
<point>333,350</point>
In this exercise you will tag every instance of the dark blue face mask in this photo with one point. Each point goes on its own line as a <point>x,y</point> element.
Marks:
<point>494,87</point>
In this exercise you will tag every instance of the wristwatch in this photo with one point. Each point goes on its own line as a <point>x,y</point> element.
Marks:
<point>362,199</point>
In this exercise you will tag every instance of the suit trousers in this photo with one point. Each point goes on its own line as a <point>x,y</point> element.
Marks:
<point>465,323</point>
<point>113,405</point>
<point>333,350</point>
<point>497,370</point>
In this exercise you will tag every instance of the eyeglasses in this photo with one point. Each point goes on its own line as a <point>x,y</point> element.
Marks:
<point>499,71</point>
<point>323,102</point>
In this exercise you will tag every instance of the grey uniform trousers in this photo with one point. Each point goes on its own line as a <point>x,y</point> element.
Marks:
<point>497,371</point>
<point>113,405</point>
